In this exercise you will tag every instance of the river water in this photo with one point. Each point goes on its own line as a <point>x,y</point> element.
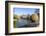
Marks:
<point>25,23</point>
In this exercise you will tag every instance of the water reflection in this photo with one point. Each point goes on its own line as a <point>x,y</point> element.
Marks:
<point>25,23</point>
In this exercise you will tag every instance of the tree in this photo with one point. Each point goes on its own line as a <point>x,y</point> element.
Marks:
<point>28,17</point>
<point>34,17</point>
<point>37,11</point>
<point>15,17</point>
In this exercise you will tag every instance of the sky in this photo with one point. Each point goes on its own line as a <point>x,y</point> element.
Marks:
<point>25,11</point>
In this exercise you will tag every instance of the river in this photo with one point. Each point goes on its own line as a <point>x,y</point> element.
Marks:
<point>25,23</point>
